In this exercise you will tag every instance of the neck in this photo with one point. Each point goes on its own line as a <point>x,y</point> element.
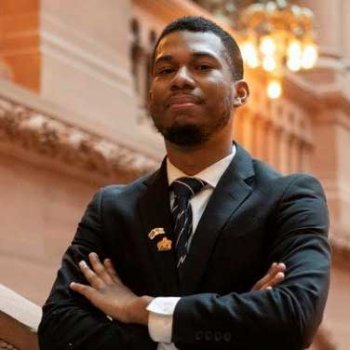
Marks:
<point>193,159</point>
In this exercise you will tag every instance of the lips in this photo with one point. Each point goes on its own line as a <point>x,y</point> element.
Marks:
<point>183,100</point>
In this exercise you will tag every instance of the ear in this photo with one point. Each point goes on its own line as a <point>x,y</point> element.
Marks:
<point>240,93</point>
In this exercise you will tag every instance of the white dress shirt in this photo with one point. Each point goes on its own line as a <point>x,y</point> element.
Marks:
<point>161,309</point>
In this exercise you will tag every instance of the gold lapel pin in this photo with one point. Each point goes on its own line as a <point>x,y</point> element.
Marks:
<point>156,232</point>
<point>164,245</point>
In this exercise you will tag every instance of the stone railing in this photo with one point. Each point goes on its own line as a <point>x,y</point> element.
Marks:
<point>19,320</point>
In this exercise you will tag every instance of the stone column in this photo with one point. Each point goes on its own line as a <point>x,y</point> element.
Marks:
<point>331,164</point>
<point>78,57</point>
<point>260,149</point>
<point>329,21</point>
<point>284,165</point>
<point>294,154</point>
<point>247,131</point>
<point>270,144</point>
<point>86,62</point>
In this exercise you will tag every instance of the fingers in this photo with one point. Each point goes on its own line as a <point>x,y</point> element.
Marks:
<point>100,269</point>
<point>275,280</point>
<point>82,289</point>
<point>90,293</point>
<point>274,276</point>
<point>111,270</point>
<point>94,280</point>
<point>98,275</point>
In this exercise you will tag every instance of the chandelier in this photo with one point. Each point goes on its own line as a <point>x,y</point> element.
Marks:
<point>277,35</point>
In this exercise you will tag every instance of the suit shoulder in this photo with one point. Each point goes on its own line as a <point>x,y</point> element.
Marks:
<point>272,179</point>
<point>265,171</point>
<point>122,189</point>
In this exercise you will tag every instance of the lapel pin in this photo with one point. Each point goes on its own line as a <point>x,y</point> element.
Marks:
<point>164,245</point>
<point>156,232</point>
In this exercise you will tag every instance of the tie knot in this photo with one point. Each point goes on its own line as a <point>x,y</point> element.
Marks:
<point>187,187</point>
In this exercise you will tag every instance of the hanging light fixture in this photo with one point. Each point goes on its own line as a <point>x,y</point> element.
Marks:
<point>278,35</point>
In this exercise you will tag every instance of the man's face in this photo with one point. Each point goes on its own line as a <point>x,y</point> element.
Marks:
<point>192,89</point>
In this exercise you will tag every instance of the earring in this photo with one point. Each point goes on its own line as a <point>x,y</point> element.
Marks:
<point>237,101</point>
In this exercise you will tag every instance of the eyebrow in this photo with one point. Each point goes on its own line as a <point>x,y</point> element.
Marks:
<point>198,54</point>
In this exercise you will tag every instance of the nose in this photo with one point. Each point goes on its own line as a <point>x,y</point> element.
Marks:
<point>183,79</point>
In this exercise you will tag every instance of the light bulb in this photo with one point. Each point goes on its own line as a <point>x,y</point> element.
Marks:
<point>294,49</point>
<point>274,89</point>
<point>269,63</point>
<point>250,54</point>
<point>309,56</point>
<point>253,62</point>
<point>267,46</point>
<point>294,63</point>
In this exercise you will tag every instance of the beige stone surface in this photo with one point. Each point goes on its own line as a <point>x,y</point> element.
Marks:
<point>20,42</point>
<point>19,321</point>
<point>337,315</point>
<point>14,305</point>
<point>85,53</point>
<point>40,212</point>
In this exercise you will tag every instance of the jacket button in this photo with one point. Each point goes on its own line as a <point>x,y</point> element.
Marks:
<point>227,337</point>
<point>199,335</point>
<point>217,336</point>
<point>208,335</point>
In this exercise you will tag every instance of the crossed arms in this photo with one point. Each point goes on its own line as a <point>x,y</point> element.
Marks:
<point>283,317</point>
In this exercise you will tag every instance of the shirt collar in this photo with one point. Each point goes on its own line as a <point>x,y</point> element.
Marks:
<point>211,175</point>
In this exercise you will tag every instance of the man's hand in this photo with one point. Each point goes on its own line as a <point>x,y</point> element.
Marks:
<point>109,294</point>
<point>274,276</point>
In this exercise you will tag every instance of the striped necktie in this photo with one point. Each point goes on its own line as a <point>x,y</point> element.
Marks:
<point>184,189</point>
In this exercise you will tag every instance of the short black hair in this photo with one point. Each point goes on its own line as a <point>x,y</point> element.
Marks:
<point>202,25</point>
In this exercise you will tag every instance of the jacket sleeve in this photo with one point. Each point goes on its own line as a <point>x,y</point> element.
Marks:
<point>285,317</point>
<point>71,322</point>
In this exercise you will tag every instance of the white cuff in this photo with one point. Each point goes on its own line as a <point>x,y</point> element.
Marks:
<point>160,320</point>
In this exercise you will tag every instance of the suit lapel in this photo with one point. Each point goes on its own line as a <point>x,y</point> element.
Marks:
<point>155,213</point>
<point>227,197</point>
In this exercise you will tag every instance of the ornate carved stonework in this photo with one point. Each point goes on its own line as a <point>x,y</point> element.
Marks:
<point>4,345</point>
<point>56,140</point>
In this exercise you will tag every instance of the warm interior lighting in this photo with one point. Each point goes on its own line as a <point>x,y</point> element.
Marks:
<point>277,36</point>
<point>294,49</point>
<point>309,56</point>
<point>268,45</point>
<point>250,54</point>
<point>294,63</point>
<point>269,63</point>
<point>274,89</point>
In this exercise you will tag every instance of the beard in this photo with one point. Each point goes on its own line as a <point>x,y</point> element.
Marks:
<point>191,134</point>
<point>184,135</point>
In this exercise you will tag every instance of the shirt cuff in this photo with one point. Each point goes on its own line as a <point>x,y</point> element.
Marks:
<point>160,320</point>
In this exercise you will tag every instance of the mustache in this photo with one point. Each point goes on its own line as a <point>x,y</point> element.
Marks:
<point>183,98</point>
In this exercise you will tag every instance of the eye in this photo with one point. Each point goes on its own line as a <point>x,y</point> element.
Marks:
<point>203,67</point>
<point>165,71</point>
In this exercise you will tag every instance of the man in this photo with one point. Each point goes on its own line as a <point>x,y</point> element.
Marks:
<point>177,259</point>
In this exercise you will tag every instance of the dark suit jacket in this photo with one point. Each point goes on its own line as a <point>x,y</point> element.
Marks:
<point>254,217</point>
